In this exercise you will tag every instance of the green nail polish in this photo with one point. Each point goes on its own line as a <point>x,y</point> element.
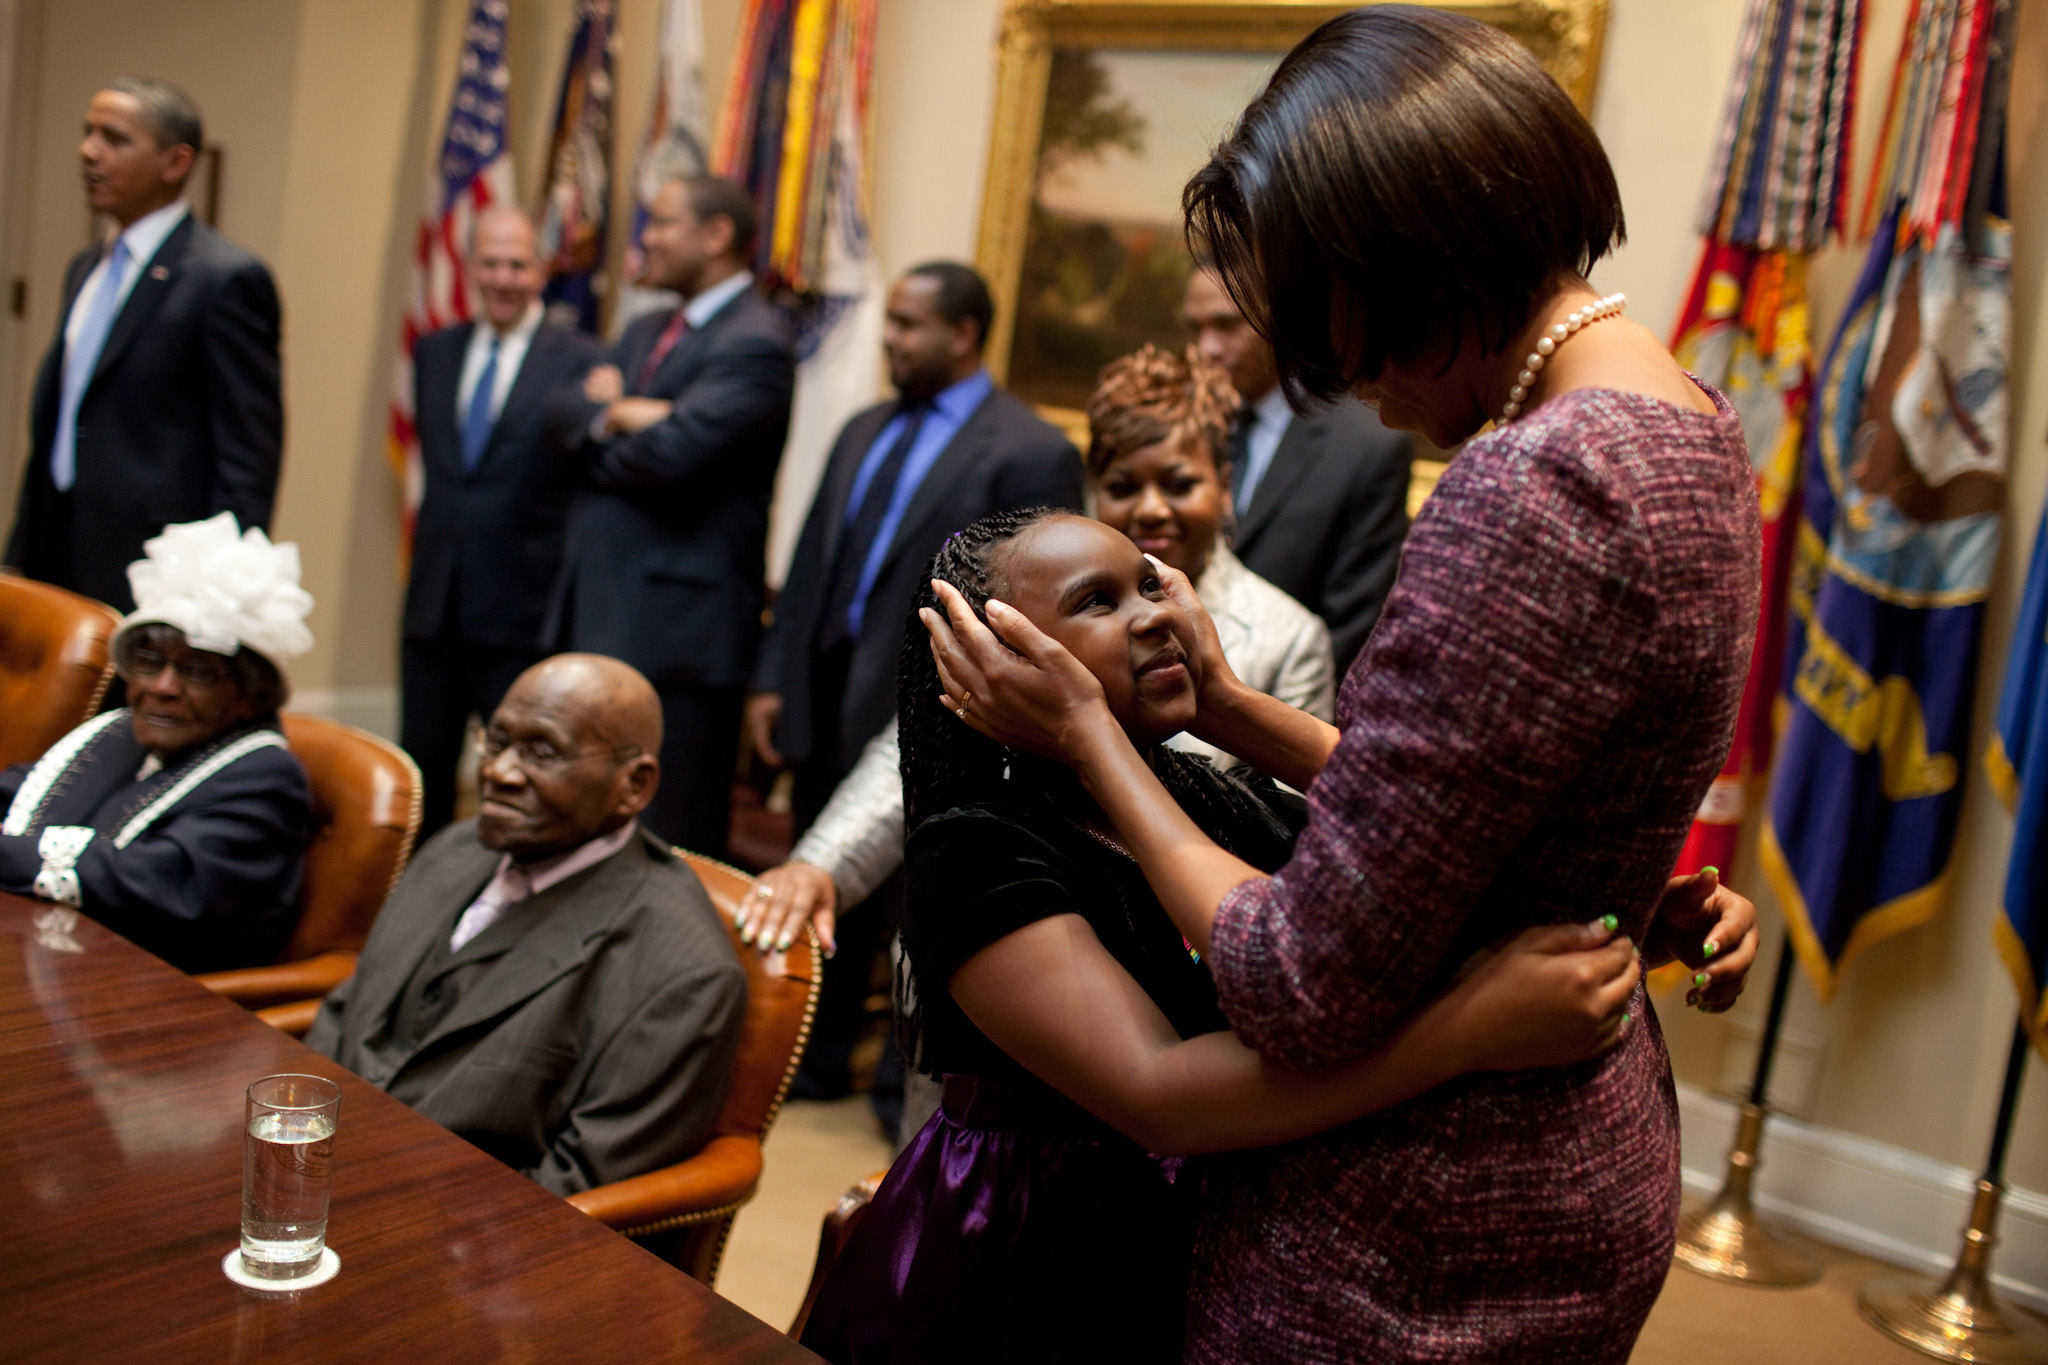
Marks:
<point>1709,948</point>
<point>1699,978</point>
<point>1626,1016</point>
<point>1610,922</point>
<point>1715,870</point>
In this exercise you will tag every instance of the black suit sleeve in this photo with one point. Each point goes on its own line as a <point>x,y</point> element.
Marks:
<point>743,386</point>
<point>245,403</point>
<point>1050,478</point>
<point>1366,555</point>
<point>806,568</point>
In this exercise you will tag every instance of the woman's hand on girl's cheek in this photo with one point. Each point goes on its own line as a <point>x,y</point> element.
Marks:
<point>1021,689</point>
<point>1213,674</point>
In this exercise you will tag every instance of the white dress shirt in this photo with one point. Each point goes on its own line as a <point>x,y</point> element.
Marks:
<point>1270,416</point>
<point>514,882</point>
<point>145,236</point>
<point>512,348</point>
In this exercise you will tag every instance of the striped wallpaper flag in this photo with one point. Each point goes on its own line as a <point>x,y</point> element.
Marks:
<point>472,173</point>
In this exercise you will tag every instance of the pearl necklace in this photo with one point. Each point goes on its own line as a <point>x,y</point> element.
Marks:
<point>1547,345</point>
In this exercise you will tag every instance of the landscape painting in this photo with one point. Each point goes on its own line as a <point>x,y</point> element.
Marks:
<point>1104,260</point>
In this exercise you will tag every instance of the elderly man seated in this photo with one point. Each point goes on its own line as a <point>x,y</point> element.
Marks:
<point>548,980</point>
<point>181,820</point>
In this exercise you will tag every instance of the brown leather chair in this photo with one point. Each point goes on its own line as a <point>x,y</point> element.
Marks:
<point>840,1221</point>
<point>366,811</point>
<point>54,669</point>
<point>684,1213</point>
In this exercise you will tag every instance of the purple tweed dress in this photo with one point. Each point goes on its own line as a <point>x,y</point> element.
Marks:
<point>1527,735</point>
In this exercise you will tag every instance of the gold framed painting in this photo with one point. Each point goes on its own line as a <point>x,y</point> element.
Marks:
<point>1103,110</point>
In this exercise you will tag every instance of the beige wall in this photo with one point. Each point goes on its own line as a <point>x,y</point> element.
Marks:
<point>330,109</point>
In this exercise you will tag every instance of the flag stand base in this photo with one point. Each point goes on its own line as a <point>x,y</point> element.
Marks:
<point>1727,1240</point>
<point>1959,1318</point>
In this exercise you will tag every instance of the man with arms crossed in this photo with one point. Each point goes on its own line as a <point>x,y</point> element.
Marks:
<point>679,434</point>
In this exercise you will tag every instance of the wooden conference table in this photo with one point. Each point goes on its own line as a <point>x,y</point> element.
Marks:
<point>121,1086</point>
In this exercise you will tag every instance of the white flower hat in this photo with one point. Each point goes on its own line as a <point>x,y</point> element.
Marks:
<point>226,588</point>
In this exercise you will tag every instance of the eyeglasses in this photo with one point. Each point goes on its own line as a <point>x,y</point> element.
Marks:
<point>538,755</point>
<point>194,669</point>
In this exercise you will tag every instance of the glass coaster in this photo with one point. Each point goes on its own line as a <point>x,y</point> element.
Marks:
<point>327,1269</point>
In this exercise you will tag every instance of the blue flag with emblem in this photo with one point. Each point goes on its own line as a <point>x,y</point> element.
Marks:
<point>2018,767</point>
<point>1906,474</point>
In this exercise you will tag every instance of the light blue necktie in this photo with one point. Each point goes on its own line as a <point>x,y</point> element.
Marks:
<point>81,358</point>
<point>477,422</point>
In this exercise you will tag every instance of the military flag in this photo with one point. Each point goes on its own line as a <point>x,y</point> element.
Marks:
<point>1900,521</point>
<point>472,172</point>
<point>1776,189</point>
<point>794,132</point>
<point>676,147</point>
<point>2018,767</point>
<point>577,208</point>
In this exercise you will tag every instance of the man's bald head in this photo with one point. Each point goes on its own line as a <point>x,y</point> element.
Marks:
<point>504,261</point>
<point>571,754</point>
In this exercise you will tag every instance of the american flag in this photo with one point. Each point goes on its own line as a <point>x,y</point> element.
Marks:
<point>474,172</point>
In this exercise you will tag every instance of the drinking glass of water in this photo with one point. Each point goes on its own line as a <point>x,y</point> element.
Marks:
<point>287,1168</point>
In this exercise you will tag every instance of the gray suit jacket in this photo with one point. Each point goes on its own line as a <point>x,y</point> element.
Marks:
<point>592,1028</point>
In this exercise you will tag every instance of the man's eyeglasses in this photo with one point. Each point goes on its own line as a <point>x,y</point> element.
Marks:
<point>194,669</point>
<point>538,755</point>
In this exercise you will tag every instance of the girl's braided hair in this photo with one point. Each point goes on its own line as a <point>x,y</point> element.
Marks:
<point>946,764</point>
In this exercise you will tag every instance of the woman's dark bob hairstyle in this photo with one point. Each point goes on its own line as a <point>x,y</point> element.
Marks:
<point>1408,177</point>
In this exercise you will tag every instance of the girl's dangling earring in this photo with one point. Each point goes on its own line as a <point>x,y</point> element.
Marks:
<point>1006,763</point>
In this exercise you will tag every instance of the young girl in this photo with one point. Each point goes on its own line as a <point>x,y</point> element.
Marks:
<point>1040,1215</point>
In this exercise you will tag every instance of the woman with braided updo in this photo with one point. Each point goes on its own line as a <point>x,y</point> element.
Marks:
<point>1076,1030</point>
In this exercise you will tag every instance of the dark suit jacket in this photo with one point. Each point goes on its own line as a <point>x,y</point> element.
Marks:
<point>1327,521</point>
<point>487,545</point>
<point>592,1028</point>
<point>213,883</point>
<point>668,539</point>
<point>183,418</point>
<point>1003,456</point>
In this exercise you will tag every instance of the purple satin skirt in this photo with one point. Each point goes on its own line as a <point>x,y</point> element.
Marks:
<point>1015,1227</point>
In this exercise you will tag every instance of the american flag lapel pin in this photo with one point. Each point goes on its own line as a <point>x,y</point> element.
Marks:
<point>159,272</point>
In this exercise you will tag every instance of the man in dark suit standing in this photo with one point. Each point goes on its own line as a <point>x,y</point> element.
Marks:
<point>159,398</point>
<point>546,980</point>
<point>487,544</point>
<point>1321,499</point>
<point>681,431</point>
<point>950,449</point>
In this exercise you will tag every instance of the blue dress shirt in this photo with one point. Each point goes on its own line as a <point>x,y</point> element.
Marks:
<point>942,422</point>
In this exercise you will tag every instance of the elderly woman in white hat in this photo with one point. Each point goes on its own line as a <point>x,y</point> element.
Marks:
<point>181,820</point>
